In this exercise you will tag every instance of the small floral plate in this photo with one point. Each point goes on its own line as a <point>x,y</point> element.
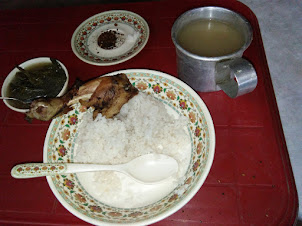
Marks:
<point>131,32</point>
<point>62,135</point>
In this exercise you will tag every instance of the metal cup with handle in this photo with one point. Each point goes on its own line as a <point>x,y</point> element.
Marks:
<point>230,72</point>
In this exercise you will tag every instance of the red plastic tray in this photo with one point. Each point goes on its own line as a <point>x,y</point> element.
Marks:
<point>251,180</point>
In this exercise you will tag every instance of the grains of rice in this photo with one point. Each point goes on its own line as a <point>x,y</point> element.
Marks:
<point>143,126</point>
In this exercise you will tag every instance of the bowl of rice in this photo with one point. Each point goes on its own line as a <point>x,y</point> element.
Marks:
<point>166,117</point>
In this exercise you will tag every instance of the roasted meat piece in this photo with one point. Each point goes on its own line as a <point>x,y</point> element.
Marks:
<point>110,95</point>
<point>106,94</point>
<point>44,109</point>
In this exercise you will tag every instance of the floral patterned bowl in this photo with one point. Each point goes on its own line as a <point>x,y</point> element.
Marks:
<point>132,33</point>
<point>62,133</point>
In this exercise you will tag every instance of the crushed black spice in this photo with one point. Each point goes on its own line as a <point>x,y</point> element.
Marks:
<point>107,40</point>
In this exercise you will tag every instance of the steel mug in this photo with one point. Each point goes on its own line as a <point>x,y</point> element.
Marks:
<point>231,73</point>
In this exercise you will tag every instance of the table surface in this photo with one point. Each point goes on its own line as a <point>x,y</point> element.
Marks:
<point>17,49</point>
<point>285,64</point>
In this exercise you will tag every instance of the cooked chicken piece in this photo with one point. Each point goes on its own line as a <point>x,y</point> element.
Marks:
<point>110,95</point>
<point>106,94</point>
<point>85,91</point>
<point>44,109</point>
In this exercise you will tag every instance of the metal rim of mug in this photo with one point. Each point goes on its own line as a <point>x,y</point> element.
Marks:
<point>229,56</point>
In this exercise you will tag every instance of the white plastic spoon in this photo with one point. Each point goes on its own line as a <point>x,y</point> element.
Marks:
<point>148,168</point>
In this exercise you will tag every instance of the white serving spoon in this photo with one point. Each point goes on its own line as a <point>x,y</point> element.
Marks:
<point>150,168</point>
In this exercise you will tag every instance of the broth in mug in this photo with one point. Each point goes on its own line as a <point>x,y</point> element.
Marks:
<point>210,38</point>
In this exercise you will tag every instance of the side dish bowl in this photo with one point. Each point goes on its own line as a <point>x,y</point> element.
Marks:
<point>177,97</point>
<point>24,65</point>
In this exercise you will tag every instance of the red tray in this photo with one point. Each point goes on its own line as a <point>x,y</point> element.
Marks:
<point>251,181</point>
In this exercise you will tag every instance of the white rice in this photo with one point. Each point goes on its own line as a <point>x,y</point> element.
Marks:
<point>143,126</point>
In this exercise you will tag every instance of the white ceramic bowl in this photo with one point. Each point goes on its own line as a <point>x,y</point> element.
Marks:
<point>24,65</point>
<point>60,141</point>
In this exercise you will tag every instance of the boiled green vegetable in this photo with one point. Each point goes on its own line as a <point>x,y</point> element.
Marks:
<point>46,79</point>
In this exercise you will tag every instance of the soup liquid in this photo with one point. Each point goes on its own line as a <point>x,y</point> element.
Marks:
<point>210,38</point>
<point>49,80</point>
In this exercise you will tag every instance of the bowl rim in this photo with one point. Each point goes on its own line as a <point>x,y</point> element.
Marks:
<point>183,202</point>
<point>32,61</point>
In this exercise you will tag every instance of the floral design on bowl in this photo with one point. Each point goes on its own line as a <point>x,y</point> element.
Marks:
<point>84,41</point>
<point>172,92</point>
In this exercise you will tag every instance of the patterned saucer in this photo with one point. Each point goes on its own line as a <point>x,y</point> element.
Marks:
<point>131,33</point>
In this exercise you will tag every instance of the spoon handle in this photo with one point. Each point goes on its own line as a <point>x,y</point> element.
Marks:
<point>9,98</point>
<point>31,170</point>
<point>15,99</point>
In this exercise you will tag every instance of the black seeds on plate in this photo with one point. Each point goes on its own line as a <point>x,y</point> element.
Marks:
<point>107,40</point>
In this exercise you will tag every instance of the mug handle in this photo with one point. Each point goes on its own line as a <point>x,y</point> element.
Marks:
<point>236,77</point>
